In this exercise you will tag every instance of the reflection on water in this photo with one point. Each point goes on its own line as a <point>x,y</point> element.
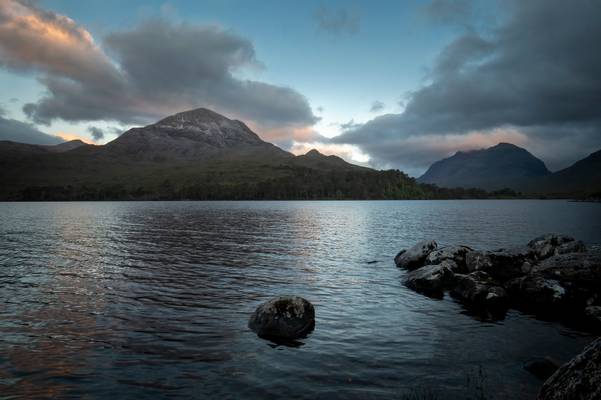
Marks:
<point>151,300</point>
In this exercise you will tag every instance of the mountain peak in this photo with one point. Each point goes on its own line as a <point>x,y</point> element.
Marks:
<point>313,152</point>
<point>195,117</point>
<point>505,145</point>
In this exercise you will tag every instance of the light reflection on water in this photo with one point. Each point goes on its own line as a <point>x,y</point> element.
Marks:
<point>151,300</point>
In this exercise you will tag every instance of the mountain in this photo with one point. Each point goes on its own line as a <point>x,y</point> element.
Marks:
<point>191,135</point>
<point>502,166</point>
<point>66,146</point>
<point>582,178</point>
<point>196,154</point>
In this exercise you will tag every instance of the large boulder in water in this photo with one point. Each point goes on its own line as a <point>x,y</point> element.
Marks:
<point>551,244</point>
<point>430,279</point>
<point>284,317</point>
<point>580,378</point>
<point>414,257</point>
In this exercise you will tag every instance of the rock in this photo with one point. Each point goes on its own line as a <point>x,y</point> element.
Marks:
<point>415,256</point>
<point>479,289</point>
<point>577,246</point>
<point>580,378</point>
<point>537,292</point>
<point>552,244</point>
<point>581,268</point>
<point>477,261</point>
<point>593,313</point>
<point>286,317</point>
<point>541,367</point>
<point>456,254</point>
<point>430,279</point>
<point>502,264</point>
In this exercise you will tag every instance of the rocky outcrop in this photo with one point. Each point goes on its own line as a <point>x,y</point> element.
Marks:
<point>431,279</point>
<point>456,254</point>
<point>580,378</point>
<point>285,317</point>
<point>553,275</point>
<point>480,290</point>
<point>502,264</point>
<point>551,244</point>
<point>414,257</point>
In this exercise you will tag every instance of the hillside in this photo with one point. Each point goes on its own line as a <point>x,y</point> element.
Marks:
<point>583,178</point>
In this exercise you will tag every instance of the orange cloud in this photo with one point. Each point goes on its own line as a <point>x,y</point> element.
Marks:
<point>66,136</point>
<point>33,38</point>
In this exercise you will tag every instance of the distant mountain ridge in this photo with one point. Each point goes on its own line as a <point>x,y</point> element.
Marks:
<point>196,154</point>
<point>502,166</point>
<point>507,166</point>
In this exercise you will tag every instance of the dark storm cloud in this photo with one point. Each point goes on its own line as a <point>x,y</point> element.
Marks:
<point>349,125</point>
<point>337,21</point>
<point>97,133</point>
<point>140,75</point>
<point>17,131</point>
<point>537,73</point>
<point>377,106</point>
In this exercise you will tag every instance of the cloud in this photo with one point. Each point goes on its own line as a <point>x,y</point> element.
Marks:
<point>97,133</point>
<point>520,76</point>
<point>348,152</point>
<point>17,131</point>
<point>345,126</point>
<point>337,21</point>
<point>2,111</point>
<point>68,136</point>
<point>140,75</point>
<point>377,106</point>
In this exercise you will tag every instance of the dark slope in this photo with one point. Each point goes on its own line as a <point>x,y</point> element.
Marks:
<point>502,166</point>
<point>582,178</point>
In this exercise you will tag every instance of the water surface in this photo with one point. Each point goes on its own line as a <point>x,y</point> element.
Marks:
<point>151,299</point>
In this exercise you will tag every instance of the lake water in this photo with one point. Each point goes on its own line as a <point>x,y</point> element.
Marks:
<point>151,300</point>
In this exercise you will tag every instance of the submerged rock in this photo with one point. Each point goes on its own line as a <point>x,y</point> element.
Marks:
<point>430,279</point>
<point>580,378</point>
<point>541,367</point>
<point>414,257</point>
<point>284,317</point>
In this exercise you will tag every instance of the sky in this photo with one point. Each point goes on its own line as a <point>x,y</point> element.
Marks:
<point>387,84</point>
